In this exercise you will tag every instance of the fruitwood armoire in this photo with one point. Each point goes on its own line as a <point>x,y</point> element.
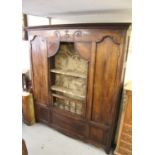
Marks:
<point>77,78</point>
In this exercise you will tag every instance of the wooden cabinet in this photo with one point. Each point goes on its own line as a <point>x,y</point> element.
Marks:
<point>77,78</point>
<point>124,141</point>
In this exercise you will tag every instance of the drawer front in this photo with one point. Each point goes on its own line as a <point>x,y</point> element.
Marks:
<point>126,145</point>
<point>126,138</point>
<point>127,130</point>
<point>71,125</point>
<point>123,151</point>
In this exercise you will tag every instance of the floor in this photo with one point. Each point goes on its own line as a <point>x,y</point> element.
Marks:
<point>42,140</point>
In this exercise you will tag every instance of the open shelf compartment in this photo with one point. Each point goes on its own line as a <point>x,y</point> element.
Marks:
<point>68,104</point>
<point>73,93</point>
<point>68,73</point>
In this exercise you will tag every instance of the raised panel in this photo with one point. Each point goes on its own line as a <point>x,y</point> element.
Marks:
<point>42,113</point>
<point>75,126</point>
<point>39,70</point>
<point>106,65</point>
<point>98,135</point>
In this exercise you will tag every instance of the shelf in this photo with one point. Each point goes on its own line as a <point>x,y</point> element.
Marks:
<point>67,98</point>
<point>67,113</point>
<point>69,73</point>
<point>68,91</point>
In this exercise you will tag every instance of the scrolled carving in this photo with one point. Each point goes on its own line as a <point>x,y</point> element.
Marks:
<point>113,38</point>
<point>53,44</point>
<point>57,34</point>
<point>78,34</point>
<point>38,39</point>
<point>33,38</point>
<point>67,34</point>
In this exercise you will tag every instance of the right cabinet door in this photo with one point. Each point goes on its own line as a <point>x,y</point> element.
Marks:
<point>107,74</point>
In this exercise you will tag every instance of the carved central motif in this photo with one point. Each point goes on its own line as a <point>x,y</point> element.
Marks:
<point>67,34</point>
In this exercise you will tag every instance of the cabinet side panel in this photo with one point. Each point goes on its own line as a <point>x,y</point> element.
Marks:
<point>105,81</point>
<point>39,70</point>
<point>128,115</point>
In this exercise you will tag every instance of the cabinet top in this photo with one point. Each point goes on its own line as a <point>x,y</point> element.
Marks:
<point>80,26</point>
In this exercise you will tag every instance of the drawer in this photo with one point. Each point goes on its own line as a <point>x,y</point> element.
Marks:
<point>126,145</point>
<point>123,151</point>
<point>127,130</point>
<point>126,138</point>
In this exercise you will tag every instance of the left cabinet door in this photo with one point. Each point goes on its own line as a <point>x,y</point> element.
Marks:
<point>39,66</point>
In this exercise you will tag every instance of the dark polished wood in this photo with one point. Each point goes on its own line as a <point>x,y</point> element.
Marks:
<point>104,46</point>
<point>39,69</point>
<point>80,25</point>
